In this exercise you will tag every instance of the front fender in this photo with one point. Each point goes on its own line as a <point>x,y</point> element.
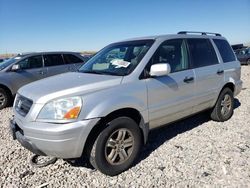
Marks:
<point>112,104</point>
<point>6,83</point>
<point>102,103</point>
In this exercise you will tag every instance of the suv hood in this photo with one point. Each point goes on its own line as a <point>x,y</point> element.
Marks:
<point>73,83</point>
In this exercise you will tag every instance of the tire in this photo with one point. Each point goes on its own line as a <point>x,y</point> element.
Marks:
<point>223,109</point>
<point>107,154</point>
<point>4,98</point>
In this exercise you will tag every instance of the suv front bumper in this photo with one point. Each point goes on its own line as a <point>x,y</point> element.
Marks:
<point>58,140</point>
<point>17,134</point>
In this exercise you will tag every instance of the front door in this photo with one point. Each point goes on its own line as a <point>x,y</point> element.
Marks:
<point>31,69</point>
<point>171,97</point>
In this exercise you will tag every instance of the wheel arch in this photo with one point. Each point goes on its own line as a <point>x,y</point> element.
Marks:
<point>7,89</point>
<point>229,85</point>
<point>102,124</point>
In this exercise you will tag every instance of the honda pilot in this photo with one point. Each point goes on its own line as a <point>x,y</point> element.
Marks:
<point>105,110</point>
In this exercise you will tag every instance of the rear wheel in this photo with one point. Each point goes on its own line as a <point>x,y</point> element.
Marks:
<point>4,98</point>
<point>117,146</point>
<point>223,109</point>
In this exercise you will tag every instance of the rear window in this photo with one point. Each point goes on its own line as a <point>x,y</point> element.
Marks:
<point>202,52</point>
<point>53,60</point>
<point>71,59</point>
<point>225,50</point>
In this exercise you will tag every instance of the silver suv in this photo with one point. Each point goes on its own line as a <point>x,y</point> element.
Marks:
<point>26,68</point>
<point>106,109</point>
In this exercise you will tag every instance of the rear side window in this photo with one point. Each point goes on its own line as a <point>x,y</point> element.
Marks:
<point>71,59</point>
<point>202,52</point>
<point>31,62</point>
<point>225,50</point>
<point>53,60</point>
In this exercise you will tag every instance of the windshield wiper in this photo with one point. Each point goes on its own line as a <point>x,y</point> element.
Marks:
<point>91,71</point>
<point>101,72</point>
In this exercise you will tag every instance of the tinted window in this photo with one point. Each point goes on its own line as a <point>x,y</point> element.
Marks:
<point>225,50</point>
<point>53,60</point>
<point>31,62</point>
<point>71,59</point>
<point>202,52</point>
<point>174,53</point>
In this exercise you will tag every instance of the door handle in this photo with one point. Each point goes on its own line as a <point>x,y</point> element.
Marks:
<point>220,72</point>
<point>188,79</point>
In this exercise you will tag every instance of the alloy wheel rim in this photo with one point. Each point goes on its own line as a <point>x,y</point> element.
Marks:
<point>226,105</point>
<point>119,146</point>
<point>2,99</point>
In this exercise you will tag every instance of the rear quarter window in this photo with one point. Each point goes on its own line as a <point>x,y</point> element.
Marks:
<point>71,59</point>
<point>225,50</point>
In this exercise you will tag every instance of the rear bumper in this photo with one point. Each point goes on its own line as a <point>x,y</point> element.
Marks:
<point>58,140</point>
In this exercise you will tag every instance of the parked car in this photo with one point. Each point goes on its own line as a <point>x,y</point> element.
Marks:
<point>105,110</point>
<point>26,68</point>
<point>243,56</point>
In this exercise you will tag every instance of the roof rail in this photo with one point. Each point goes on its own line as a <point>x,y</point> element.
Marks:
<point>202,33</point>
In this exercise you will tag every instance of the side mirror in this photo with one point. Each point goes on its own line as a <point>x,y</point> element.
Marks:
<point>160,69</point>
<point>15,67</point>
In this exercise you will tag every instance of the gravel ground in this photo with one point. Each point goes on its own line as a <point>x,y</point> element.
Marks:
<point>195,152</point>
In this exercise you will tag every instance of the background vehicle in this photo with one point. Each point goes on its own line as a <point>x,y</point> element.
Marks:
<point>106,109</point>
<point>87,57</point>
<point>243,56</point>
<point>26,68</point>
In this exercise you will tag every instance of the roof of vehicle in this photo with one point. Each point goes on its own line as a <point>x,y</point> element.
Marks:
<point>52,52</point>
<point>184,34</point>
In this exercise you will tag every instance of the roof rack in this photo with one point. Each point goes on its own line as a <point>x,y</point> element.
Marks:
<point>202,33</point>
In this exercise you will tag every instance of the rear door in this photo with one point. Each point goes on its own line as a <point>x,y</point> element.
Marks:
<point>55,64</point>
<point>170,97</point>
<point>72,61</point>
<point>31,69</point>
<point>209,73</point>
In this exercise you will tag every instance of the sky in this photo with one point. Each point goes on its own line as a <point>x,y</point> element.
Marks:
<point>80,25</point>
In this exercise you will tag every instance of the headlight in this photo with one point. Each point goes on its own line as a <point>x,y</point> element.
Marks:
<point>61,109</point>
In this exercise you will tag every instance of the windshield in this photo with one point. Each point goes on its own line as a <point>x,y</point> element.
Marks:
<point>117,59</point>
<point>8,62</point>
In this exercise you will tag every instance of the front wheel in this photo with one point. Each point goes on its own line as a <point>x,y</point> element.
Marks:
<point>117,146</point>
<point>223,109</point>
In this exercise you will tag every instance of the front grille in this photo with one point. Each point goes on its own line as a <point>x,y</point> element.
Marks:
<point>23,105</point>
